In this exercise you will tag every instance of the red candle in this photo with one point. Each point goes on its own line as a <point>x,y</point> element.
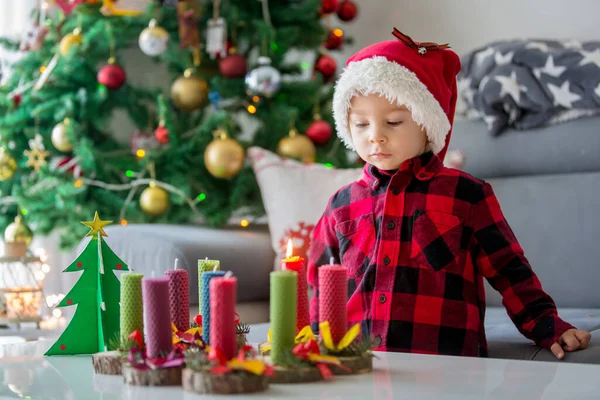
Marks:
<point>333,295</point>
<point>222,314</point>
<point>159,341</point>
<point>179,297</point>
<point>296,264</point>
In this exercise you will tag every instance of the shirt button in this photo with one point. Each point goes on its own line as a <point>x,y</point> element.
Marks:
<point>391,225</point>
<point>422,175</point>
<point>382,298</point>
<point>396,190</point>
<point>378,340</point>
<point>386,260</point>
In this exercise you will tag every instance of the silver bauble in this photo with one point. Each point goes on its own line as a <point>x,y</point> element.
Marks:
<point>263,80</point>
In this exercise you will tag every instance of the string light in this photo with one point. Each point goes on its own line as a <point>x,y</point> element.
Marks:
<point>141,153</point>
<point>42,69</point>
<point>124,222</point>
<point>201,197</point>
<point>24,211</point>
<point>244,223</point>
<point>57,313</point>
<point>251,109</point>
<point>305,65</point>
<point>338,32</point>
<point>129,173</point>
<point>78,183</point>
<point>256,99</point>
<point>328,165</point>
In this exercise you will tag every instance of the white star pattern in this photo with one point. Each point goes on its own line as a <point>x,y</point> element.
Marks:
<point>590,57</point>
<point>503,59</point>
<point>482,55</point>
<point>563,95</point>
<point>549,69</point>
<point>543,47</point>
<point>572,44</point>
<point>511,86</point>
<point>597,90</point>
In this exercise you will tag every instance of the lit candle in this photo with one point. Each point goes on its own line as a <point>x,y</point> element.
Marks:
<point>179,297</point>
<point>333,295</point>
<point>203,266</point>
<point>284,285</point>
<point>206,278</point>
<point>132,311</point>
<point>222,314</point>
<point>159,341</point>
<point>296,264</point>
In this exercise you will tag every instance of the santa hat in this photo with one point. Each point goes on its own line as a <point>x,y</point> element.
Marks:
<point>419,76</point>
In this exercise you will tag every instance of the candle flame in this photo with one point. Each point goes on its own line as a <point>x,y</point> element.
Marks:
<point>290,248</point>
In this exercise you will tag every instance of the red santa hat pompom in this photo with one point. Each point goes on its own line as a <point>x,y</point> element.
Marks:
<point>419,76</point>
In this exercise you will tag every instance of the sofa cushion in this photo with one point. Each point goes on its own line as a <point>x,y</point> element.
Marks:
<point>149,248</point>
<point>505,341</point>
<point>568,147</point>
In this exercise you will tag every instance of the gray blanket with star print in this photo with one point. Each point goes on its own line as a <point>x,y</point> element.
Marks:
<point>526,84</point>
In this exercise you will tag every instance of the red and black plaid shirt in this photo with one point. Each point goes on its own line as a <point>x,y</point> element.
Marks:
<point>417,245</point>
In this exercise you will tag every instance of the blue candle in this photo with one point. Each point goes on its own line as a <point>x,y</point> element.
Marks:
<point>206,277</point>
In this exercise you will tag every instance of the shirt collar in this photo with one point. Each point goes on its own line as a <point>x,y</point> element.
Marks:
<point>422,167</point>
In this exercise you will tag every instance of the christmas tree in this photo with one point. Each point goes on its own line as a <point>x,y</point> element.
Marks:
<point>229,65</point>
<point>95,324</point>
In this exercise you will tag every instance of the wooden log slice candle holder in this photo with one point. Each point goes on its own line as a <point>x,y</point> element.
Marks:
<point>294,374</point>
<point>204,382</point>
<point>152,377</point>
<point>362,364</point>
<point>107,363</point>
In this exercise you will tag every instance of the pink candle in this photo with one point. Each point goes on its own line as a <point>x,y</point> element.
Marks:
<point>179,297</point>
<point>222,314</point>
<point>296,264</point>
<point>333,295</point>
<point>157,317</point>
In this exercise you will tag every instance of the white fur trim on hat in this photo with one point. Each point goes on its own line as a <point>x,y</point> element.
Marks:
<point>378,75</point>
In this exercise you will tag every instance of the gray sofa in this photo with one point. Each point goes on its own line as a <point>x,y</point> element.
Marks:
<point>547,181</point>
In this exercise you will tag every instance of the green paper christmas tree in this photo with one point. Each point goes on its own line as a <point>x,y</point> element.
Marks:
<point>96,294</point>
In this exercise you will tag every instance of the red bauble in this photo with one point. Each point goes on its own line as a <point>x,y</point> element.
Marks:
<point>162,134</point>
<point>347,11</point>
<point>16,100</point>
<point>319,132</point>
<point>335,39</point>
<point>328,6</point>
<point>326,66</point>
<point>112,76</point>
<point>233,66</point>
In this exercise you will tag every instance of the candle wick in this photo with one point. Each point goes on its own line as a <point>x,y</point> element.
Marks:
<point>228,274</point>
<point>153,274</point>
<point>332,260</point>
<point>206,258</point>
<point>215,268</point>
<point>176,262</point>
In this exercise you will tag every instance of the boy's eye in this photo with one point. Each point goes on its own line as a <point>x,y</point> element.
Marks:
<point>360,124</point>
<point>394,123</point>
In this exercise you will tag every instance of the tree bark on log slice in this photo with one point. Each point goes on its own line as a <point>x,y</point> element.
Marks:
<point>357,365</point>
<point>107,363</point>
<point>294,374</point>
<point>152,377</point>
<point>236,383</point>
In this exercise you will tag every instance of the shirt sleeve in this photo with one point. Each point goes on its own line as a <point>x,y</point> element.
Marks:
<point>323,248</point>
<point>500,259</point>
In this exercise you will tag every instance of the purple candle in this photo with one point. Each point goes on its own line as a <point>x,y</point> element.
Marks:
<point>179,297</point>
<point>157,317</point>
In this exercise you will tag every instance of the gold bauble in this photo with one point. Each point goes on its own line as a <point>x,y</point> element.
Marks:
<point>154,200</point>
<point>69,40</point>
<point>189,92</point>
<point>224,157</point>
<point>60,140</point>
<point>18,232</point>
<point>8,165</point>
<point>297,146</point>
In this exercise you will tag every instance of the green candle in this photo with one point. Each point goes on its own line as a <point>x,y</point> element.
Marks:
<point>283,313</point>
<point>203,266</point>
<point>132,311</point>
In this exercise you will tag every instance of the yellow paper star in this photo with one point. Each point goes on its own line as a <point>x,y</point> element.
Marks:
<point>97,225</point>
<point>36,158</point>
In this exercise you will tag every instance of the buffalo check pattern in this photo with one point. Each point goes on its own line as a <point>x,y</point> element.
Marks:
<point>417,244</point>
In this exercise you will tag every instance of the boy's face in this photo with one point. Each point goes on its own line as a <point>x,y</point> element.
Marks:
<point>383,133</point>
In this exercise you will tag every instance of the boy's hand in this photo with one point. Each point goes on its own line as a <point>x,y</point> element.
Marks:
<point>571,340</point>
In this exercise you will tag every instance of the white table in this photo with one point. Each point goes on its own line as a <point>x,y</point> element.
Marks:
<point>24,371</point>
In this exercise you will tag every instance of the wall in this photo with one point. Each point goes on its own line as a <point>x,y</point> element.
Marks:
<point>467,24</point>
